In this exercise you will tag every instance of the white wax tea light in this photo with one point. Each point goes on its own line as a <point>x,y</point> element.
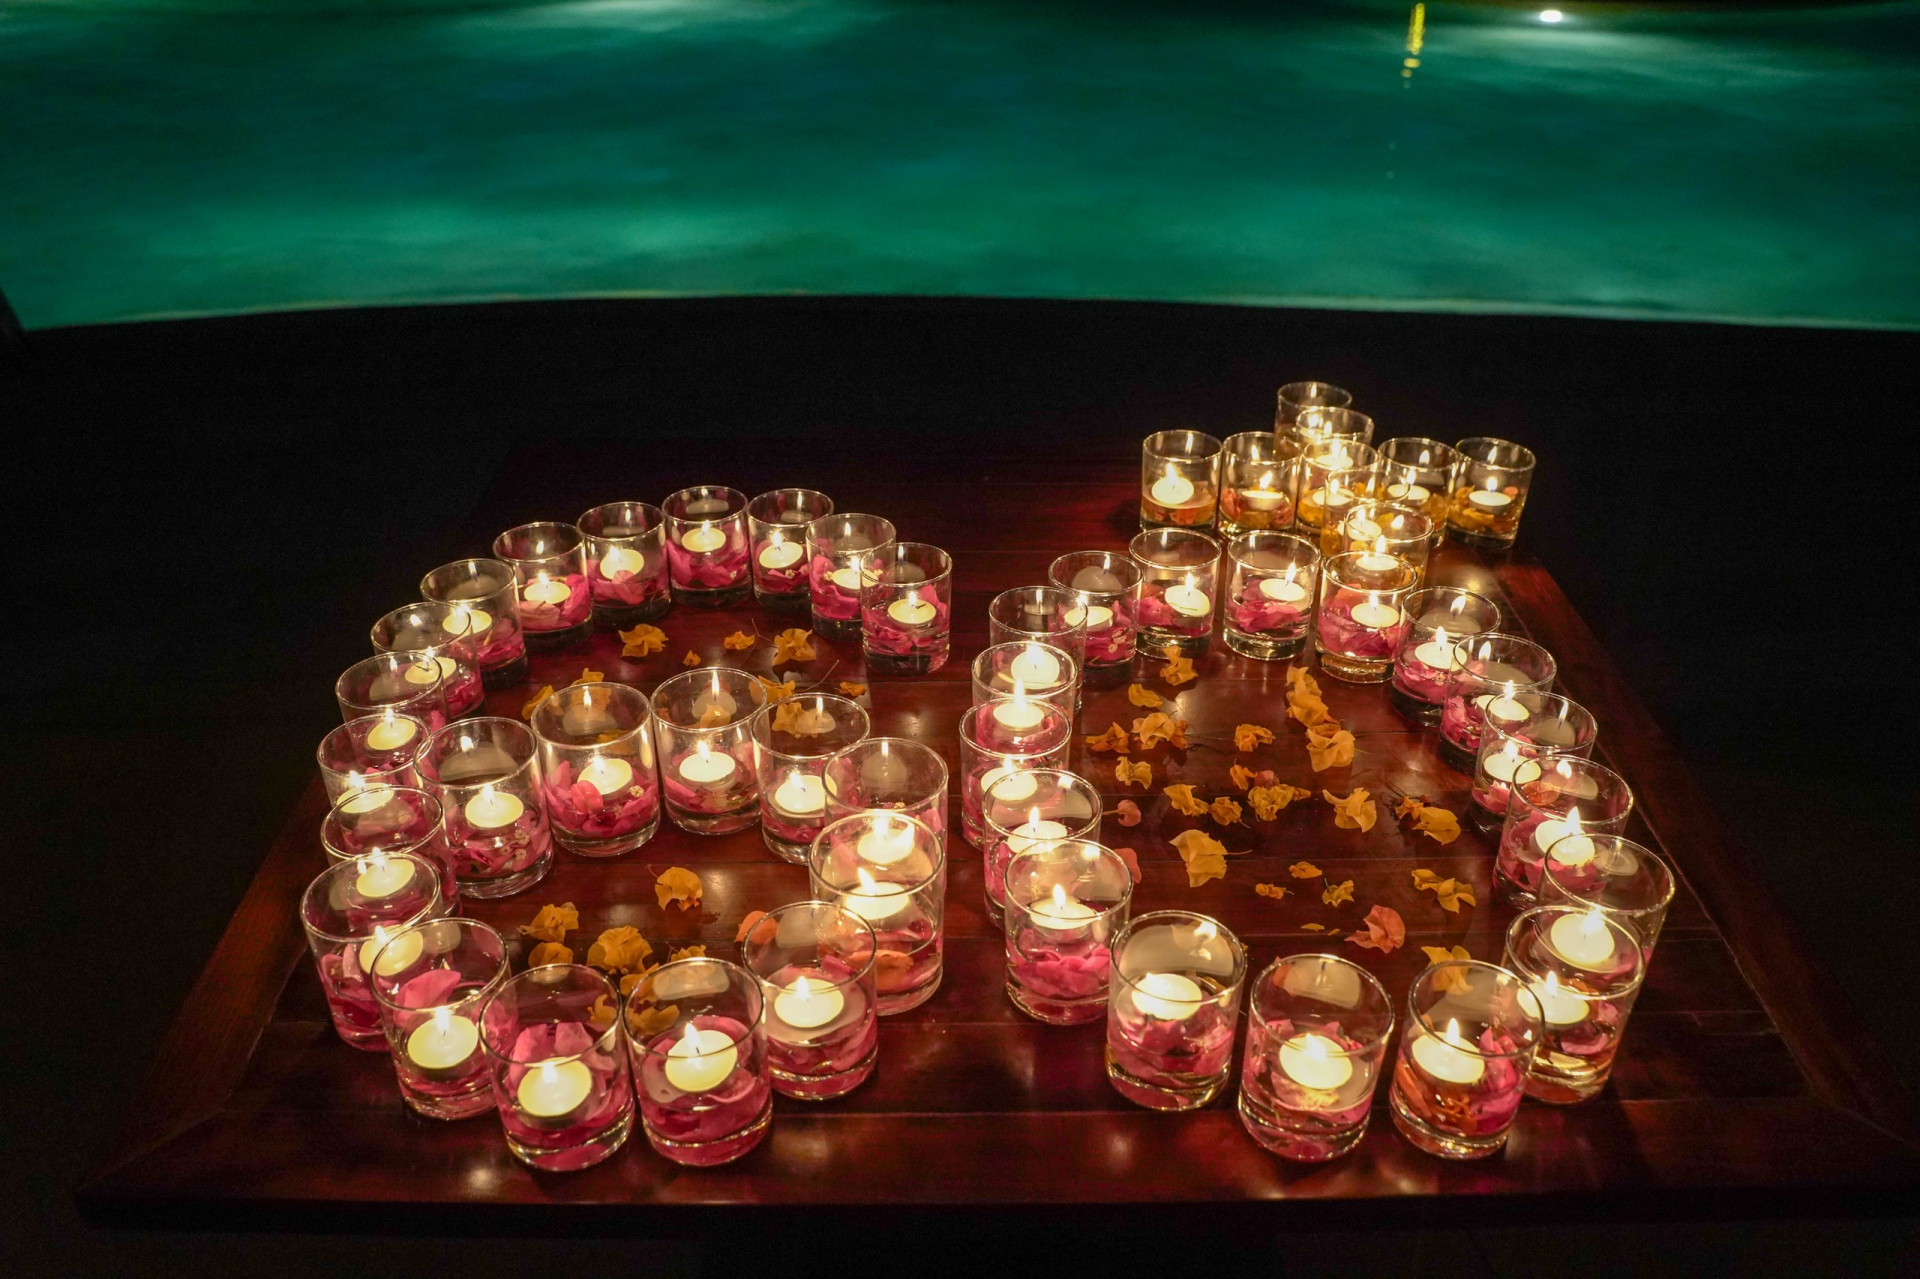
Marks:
<point>1407,493</point>
<point>1315,1061</point>
<point>701,1061</point>
<point>1019,713</point>
<point>1035,830</point>
<point>1167,996</point>
<point>544,590</point>
<point>876,903</point>
<point>1558,1005</point>
<point>467,621</point>
<point>707,767</point>
<point>885,843</point>
<point>1489,499</point>
<point>620,559</point>
<point>1098,618</point>
<point>382,877</point>
<point>1437,653</point>
<point>1035,667</point>
<point>1375,615</point>
<point>429,669</point>
<point>492,809</point>
<point>779,553</point>
<point>1583,940</point>
<point>800,795</point>
<point>808,1005</point>
<point>1189,600</point>
<point>367,799</point>
<point>847,579</point>
<point>1504,766</point>
<point>443,1043</point>
<point>1261,499</point>
<point>911,610</point>
<point>1172,489</point>
<point>1445,1058</point>
<point>1283,589</point>
<point>1012,792</point>
<point>1376,561</point>
<point>390,734</point>
<point>554,1089</point>
<point>1061,912</point>
<point>1566,839</point>
<point>703,539</point>
<point>608,774</point>
<point>376,956</point>
<point>1098,581</point>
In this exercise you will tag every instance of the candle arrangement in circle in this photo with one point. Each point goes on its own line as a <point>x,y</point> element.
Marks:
<point>441,633</point>
<point>1179,480</point>
<point>707,545</point>
<point>906,609</point>
<point>839,550</point>
<point>1488,669</point>
<point>1627,882</point>
<point>1335,472</point>
<point>1419,473</point>
<point>1583,967</point>
<point>1461,1074</point>
<point>1361,620</point>
<point>1270,592</point>
<point>1490,491</point>
<point>430,980</point>
<point>397,686</point>
<point>1028,669</point>
<point>388,820</point>
<point>777,538</point>
<point>597,765</point>
<point>1260,472</point>
<point>485,589</point>
<point>1319,423</point>
<point>1317,1028</point>
<point>698,1033</point>
<point>1570,797</point>
<point>1019,810</point>
<point>371,750</point>
<point>816,962</point>
<point>550,589</point>
<point>1378,527</point>
<point>558,1066</point>
<point>485,773</point>
<point>703,720</point>
<point>624,548</point>
<point>1171,1009</point>
<point>1438,618</point>
<point>888,869</point>
<point>348,913</point>
<point>1295,397</point>
<point>1105,587</point>
<point>1007,736</point>
<point>1510,750</point>
<point>792,742</point>
<point>1179,573</point>
<point>1065,900</point>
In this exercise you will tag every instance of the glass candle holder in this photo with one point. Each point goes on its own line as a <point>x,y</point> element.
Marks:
<point>1490,491</point>
<point>906,625</point>
<point>698,1033</point>
<point>1631,884</point>
<point>437,632</point>
<point>1382,528</point>
<point>1270,594</point>
<point>399,686</point>
<point>1419,473</point>
<point>485,588</point>
<point>1317,1028</point>
<point>815,963</point>
<point>1172,1008</point>
<point>1046,614</point>
<point>1179,573</point>
<point>558,1066</point>
<point>792,742</point>
<point>707,545</point>
<point>1004,736</point>
<point>1472,1028</point>
<point>1104,586</point>
<point>1259,476</point>
<point>1065,900</point>
<point>430,986</point>
<point>839,550</point>
<point>1027,668</point>
<point>888,869</point>
<point>1510,750</point>
<point>385,821</point>
<point>1362,618</point>
<point>348,912</point>
<point>487,779</point>
<point>1320,423</point>
<point>549,581</point>
<point>1570,797</point>
<point>1179,479</point>
<point>777,532</point>
<point>1438,618</point>
<point>703,720</point>
<point>1488,669</point>
<point>598,779</point>
<point>1295,396</point>
<point>373,750</point>
<point>1583,968</point>
<point>893,774</point>
<point>1024,809</point>
<point>624,546</point>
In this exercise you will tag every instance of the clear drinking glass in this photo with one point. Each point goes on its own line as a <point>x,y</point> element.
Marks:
<point>1270,591</point>
<point>385,821</point>
<point>372,750</point>
<point>1511,748</point>
<point>393,684</point>
<point>430,986</point>
<point>549,581</point>
<point>815,962</point>
<point>1488,669</point>
<point>1259,476</point>
<point>840,547</point>
<point>1065,900</point>
<point>1632,884</point>
<point>439,632</point>
<point>1472,1028</point>
<point>348,912</point>
<point>624,544</point>
<point>1021,809</point>
<point>888,869</point>
<point>1584,968</point>
<point>486,589</point>
<point>706,539</point>
<point>697,1030</point>
<point>1295,396</point>
<point>1027,668</point>
<point>1381,528</point>
<point>1438,618</point>
<point>1047,614</point>
<point>894,774</point>
<point>1179,479</point>
<point>1105,585</point>
<point>1172,1009</point>
<point>1490,491</point>
<point>792,742</point>
<point>1570,797</point>
<point>485,773</point>
<point>559,1067</point>
<point>1322,422</point>
<point>906,623</point>
<point>703,720</point>
<point>1420,473</point>
<point>777,529</point>
<point>1006,735</point>
<point>1317,1028</point>
<point>597,768</point>
<point>1361,621</point>
<point>1179,573</point>
<point>1335,473</point>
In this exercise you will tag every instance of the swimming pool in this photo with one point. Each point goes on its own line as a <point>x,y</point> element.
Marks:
<point>167,158</point>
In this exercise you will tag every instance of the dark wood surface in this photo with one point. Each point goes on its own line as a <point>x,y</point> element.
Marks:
<point>1742,1080</point>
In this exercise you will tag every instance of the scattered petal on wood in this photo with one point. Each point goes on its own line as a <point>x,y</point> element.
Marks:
<point>1305,870</point>
<point>1126,773</point>
<point>747,922</point>
<point>1248,736</point>
<point>600,1013</point>
<point>1385,930</point>
<point>642,641</point>
<point>801,721</point>
<point>1429,819</point>
<point>552,923</point>
<point>738,642</point>
<point>792,645</point>
<point>1132,859</point>
<point>1205,856</point>
<point>1315,928</point>
<point>1267,801</point>
<point>691,659</point>
<point>1335,894</point>
<point>1454,976</point>
<point>698,951</point>
<point>1178,669</point>
<point>1353,811</point>
<point>1239,777</point>
<point>1143,697</point>
<point>1114,739</point>
<point>533,703</point>
<point>1329,745</point>
<point>590,676</point>
<point>1181,797</point>
<point>1128,812</point>
<point>1160,727</point>
<point>679,885</point>
<point>1225,810</point>
<point>1270,890</point>
<point>1451,892</point>
<point>1441,954</point>
<point>777,690</point>
<point>549,952</point>
<point>1300,679</point>
<point>619,950</point>
<point>852,689</point>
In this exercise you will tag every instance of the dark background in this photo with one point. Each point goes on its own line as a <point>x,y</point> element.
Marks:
<point>209,514</point>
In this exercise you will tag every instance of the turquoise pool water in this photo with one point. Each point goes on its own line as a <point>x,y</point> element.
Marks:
<point>176,158</point>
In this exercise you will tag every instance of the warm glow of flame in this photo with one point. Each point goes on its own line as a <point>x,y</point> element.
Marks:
<point>1453,1035</point>
<point>1060,898</point>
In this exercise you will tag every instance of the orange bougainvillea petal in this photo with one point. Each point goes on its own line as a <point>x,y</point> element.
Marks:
<point>1441,954</point>
<point>1178,669</point>
<point>1335,894</point>
<point>1437,822</point>
<point>1181,797</point>
<point>852,689</point>
<point>1127,772</point>
<point>1143,697</point>
<point>696,951</point>
<point>1205,856</point>
<point>774,690</point>
<point>1239,777</point>
<point>619,950</point>
<point>1225,810</point>
<point>1248,736</point>
<point>590,676</point>
<point>1304,870</point>
<point>1385,931</point>
<point>533,703</point>
<point>1329,745</point>
<point>1315,928</point>
<point>1128,812</point>
<point>677,884</point>
<point>1408,804</point>
<point>549,952</point>
<point>649,1020</point>
<point>1453,894</point>
<point>738,642</point>
<point>691,659</point>
<point>1267,801</point>
<point>552,923</point>
<point>791,717</point>
<point>642,641</point>
<point>1160,727</point>
<point>1114,739</point>
<point>1308,709</point>
<point>1354,811</point>
<point>1132,859</point>
<point>1274,891</point>
<point>747,922</point>
<point>793,645</point>
<point>1300,679</point>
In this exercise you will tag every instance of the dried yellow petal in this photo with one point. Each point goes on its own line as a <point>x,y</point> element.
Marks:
<point>642,641</point>
<point>590,676</point>
<point>677,884</point>
<point>1248,736</point>
<point>1274,891</point>
<point>793,645</point>
<point>1178,670</point>
<point>1305,870</point>
<point>552,923</point>
<point>619,950</point>
<point>1160,727</point>
<point>1267,801</point>
<point>1354,811</point>
<point>852,689</point>
<point>1114,739</point>
<point>691,659</point>
<point>1181,797</point>
<point>1225,810</point>
<point>1329,745</point>
<point>1143,697</point>
<point>1205,856</point>
<point>687,952</point>
<point>533,703</point>
<point>549,952</point>
<point>1125,773</point>
<point>738,642</point>
<point>1334,894</point>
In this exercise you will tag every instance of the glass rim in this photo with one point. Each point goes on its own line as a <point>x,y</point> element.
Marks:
<point>1166,538</point>
<point>654,517</point>
<point>1076,780</point>
<point>1109,560</point>
<point>982,662</point>
<point>737,681</point>
<point>1313,387</point>
<point>1422,441</point>
<point>906,744</point>
<point>736,504</point>
<point>430,770</point>
<point>532,977</point>
<point>815,904</point>
<point>1519,643</point>
<point>1500,732</point>
<point>937,858</point>
<point>1158,918</point>
<point>1626,941</point>
<point>624,1025</point>
<point>1493,441</point>
<point>1368,1046</point>
<point>385,663</point>
<point>554,526</point>
<point>549,706</point>
<point>970,716</point>
<point>470,568</point>
<point>1647,856</point>
<point>1174,445</point>
<point>1243,544</point>
<point>1427,594</point>
<point>1419,1020</point>
<point>337,870</point>
<point>448,606</point>
<point>816,536</point>
<point>765,715</point>
<point>463,924</point>
<point>421,733</point>
<point>893,550</point>
<point>1106,856</point>
<point>389,789</point>
<point>1333,567</point>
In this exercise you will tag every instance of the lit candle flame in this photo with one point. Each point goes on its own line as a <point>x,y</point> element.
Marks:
<point>1453,1035</point>
<point>801,988</point>
<point>1440,636</point>
<point>442,1020</point>
<point>867,882</point>
<point>1059,898</point>
<point>1314,1047</point>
